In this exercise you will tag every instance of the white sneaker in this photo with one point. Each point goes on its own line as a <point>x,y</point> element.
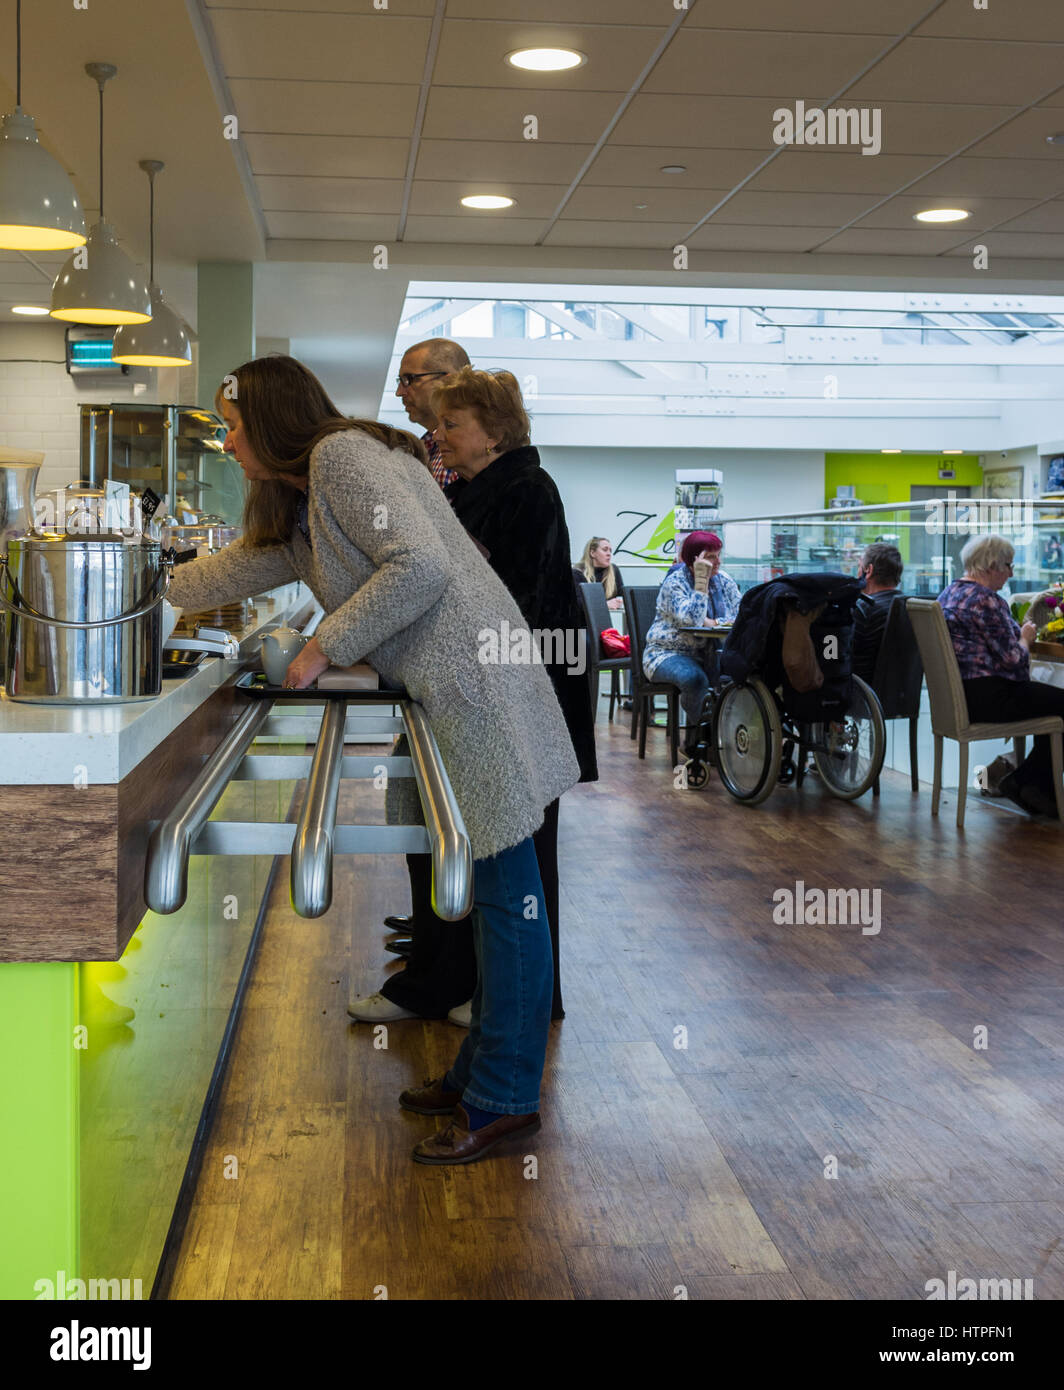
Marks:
<point>375,1008</point>
<point>462,1017</point>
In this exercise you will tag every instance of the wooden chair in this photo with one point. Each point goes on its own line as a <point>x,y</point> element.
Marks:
<point>640,605</point>
<point>598,618</point>
<point>949,709</point>
<point>899,678</point>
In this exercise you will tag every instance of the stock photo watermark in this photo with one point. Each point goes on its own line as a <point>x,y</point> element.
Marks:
<point>519,646</point>
<point>833,907</point>
<point>838,125</point>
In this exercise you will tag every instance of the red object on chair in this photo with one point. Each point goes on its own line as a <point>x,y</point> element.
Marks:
<point>614,644</point>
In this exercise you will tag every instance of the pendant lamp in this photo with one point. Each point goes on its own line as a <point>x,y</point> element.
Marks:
<point>99,283</point>
<point>39,210</point>
<point>164,341</point>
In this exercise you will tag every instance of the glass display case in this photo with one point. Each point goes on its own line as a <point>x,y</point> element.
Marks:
<point>930,535</point>
<point>175,450</point>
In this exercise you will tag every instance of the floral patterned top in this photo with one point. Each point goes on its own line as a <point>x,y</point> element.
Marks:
<point>986,637</point>
<point>681,605</point>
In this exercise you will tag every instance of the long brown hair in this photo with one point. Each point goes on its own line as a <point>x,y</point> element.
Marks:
<point>286,411</point>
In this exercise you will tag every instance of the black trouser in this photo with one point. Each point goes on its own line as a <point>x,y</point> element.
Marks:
<point>993,699</point>
<point>442,972</point>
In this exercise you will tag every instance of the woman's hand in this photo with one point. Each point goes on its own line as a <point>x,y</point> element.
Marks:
<point>702,572</point>
<point>709,622</point>
<point>307,667</point>
<point>615,603</point>
<point>1027,634</point>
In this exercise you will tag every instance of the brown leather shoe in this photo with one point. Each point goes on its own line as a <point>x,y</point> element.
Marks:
<point>430,1099</point>
<point>459,1144</point>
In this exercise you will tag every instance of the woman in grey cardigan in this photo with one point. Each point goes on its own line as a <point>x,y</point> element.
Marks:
<point>349,508</point>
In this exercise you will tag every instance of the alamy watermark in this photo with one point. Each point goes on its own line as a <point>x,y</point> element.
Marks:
<point>834,907</point>
<point>964,1288</point>
<point>519,646</point>
<point>838,125</point>
<point>973,516</point>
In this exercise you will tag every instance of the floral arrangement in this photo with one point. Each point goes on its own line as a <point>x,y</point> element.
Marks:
<point>1048,612</point>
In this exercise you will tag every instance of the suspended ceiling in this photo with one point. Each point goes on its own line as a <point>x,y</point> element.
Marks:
<point>363,126</point>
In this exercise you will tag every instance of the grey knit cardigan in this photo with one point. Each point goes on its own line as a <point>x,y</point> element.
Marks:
<point>404,588</point>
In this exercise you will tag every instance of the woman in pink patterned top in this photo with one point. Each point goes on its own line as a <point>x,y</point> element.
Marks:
<point>993,653</point>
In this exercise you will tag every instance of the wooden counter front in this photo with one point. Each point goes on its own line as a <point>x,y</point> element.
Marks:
<point>72,860</point>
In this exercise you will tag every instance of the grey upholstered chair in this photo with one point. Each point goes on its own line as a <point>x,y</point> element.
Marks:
<point>949,709</point>
<point>639,606</point>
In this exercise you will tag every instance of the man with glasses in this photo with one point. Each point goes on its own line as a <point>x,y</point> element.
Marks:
<point>423,366</point>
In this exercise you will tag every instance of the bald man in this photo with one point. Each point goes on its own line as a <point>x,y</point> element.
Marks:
<point>423,366</point>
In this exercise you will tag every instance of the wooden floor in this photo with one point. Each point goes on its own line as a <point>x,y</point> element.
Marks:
<point>661,1165</point>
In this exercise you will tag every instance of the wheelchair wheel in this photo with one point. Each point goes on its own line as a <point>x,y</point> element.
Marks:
<point>749,740</point>
<point>697,774</point>
<point>855,746</point>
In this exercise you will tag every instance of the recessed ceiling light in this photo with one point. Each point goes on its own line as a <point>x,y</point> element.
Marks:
<point>487,200</point>
<point>35,309</point>
<point>890,451</point>
<point>674,168</point>
<point>953,451</point>
<point>546,59</point>
<point>642,206</point>
<point>942,215</point>
<point>1057,138</point>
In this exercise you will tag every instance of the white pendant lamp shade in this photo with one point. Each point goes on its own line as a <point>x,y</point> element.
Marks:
<point>100,284</point>
<point>161,343</point>
<point>39,210</point>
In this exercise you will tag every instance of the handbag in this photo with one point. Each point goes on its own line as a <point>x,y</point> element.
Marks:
<point>614,643</point>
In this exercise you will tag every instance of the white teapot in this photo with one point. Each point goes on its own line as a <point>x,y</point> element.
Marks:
<point>279,649</point>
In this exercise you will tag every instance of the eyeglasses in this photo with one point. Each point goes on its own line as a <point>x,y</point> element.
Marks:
<point>408,378</point>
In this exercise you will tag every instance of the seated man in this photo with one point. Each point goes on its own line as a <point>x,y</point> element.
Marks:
<point>881,569</point>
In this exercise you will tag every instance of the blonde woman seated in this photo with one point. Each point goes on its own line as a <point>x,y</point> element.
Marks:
<point>596,567</point>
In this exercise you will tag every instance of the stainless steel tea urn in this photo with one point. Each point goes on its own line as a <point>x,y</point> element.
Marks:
<point>84,617</point>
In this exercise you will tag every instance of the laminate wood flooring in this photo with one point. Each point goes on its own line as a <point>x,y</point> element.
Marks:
<point>733,1108</point>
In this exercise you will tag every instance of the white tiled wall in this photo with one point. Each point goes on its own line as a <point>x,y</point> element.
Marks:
<point>39,401</point>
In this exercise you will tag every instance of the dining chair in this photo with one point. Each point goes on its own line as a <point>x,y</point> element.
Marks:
<point>640,605</point>
<point>949,708</point>
<point>598,618</point>
<point>898,679</point>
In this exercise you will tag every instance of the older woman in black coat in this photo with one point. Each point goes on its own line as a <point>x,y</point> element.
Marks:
<point>511,508</point>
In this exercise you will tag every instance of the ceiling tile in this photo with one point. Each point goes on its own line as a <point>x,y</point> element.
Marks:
<point>498,113</point>
<point>319,47</point>
<point>662,236</point>
<point>1026,136</point>
<point>327,226</point>
<point>308,194</point>
<point>733,63</point>
<point>416,7</point>
<point>811,16</point>
<point>684,205</point>
<point>793,209</point>
<point>533,161</point>
<point>838,171</point>
<point>489,231</point>
<point>986,212</point>
<point>473,53</point>
<point>324,108</point>
<point>714,237</point>
<point>431,198</point>
<point>638,12</point>
<point>1048,218</point>
<point>957,69</point>
<point>1023,245</point>
<point>1033,21</point>
<point>632,166</point>
<point>970,177</point>
<point>881,241</point>
<point>327,156</point>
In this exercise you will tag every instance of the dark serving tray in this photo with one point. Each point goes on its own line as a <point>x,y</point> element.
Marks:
<point>254,683</point>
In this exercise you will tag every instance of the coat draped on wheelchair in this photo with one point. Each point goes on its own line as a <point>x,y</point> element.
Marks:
<point>787,687</point>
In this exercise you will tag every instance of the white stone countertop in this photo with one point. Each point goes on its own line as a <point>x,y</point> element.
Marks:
<point>55,745</point>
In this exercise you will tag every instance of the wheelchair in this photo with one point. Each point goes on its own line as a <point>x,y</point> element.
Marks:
<point>759,733</point>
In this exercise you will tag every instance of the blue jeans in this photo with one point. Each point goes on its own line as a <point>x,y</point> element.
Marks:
<point>693,681</point>
<point>500,1064</point>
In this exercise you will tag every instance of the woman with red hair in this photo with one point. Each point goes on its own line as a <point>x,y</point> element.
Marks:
<point>693,594</point>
